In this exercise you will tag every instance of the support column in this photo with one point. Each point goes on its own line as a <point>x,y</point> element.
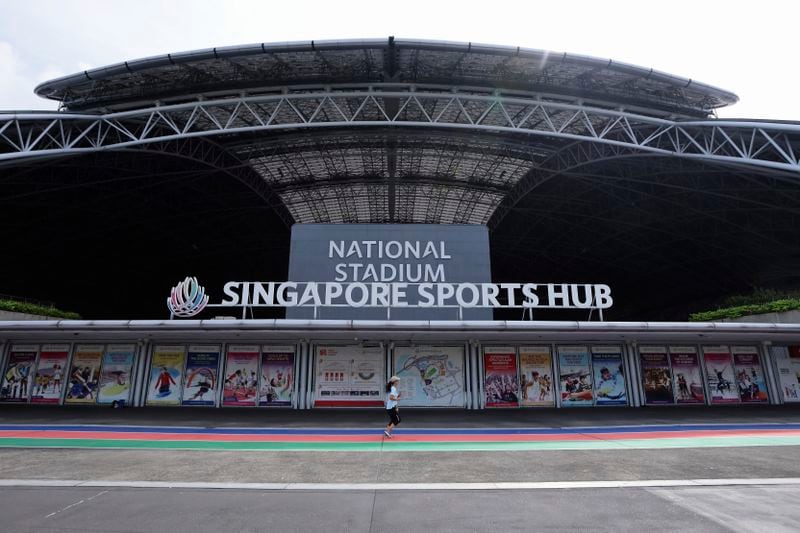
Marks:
<point>3,345</point>
<point>301,381</point>
<point>480,375</point>
<point>634,374</point>
<point>309,377</point>
<point>223,357</point>
<point>138,365</point>
<point>295,377</point>
<point>768,367</point>
<point>141,376</point>
<point>468,375</point>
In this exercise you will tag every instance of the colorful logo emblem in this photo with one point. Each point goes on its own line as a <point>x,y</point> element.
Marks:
<point>187,298</point>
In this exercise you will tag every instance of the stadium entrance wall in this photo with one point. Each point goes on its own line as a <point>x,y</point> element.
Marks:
<point>460,365</point>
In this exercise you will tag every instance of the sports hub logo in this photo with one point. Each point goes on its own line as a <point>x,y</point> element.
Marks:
<point>187,298</point>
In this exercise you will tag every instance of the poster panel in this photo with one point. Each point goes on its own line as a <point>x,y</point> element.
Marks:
<point>18,378</point>
<point>350,376</point>
<point>609,376</point>
<point>48,382</point>
<point>656,375</point>
<point>241,376</point>
<point>277,376</point>
<point>430,376</point>
<point>84,374</point>
<point>787,361</point>
<point>201,375</point>
<point>749,375</point>
<point>536,376</point>
<point>719,375</point>
<point>115,378</point>
<point>500,386</point>
<point>166,372</point>
<point>575,379</point>
<point>687,379</point>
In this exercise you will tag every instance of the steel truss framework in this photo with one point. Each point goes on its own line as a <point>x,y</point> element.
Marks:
<point>589,132</point>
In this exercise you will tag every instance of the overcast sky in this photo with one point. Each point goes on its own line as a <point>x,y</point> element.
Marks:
<point>745,47</point>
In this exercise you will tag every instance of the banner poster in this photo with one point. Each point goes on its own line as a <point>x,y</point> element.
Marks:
<point>201,375</point>
<point>48,382</point>
<point>115,377</point>
<point>749,375</point>
<point>277,376</point>
<point>656,375</point>
<point>350,376</point>
<point>687,380</point>
<point>787,361</point>
<point>609,376</point>
<point>84,374</point>
<point>166,370</point>
<point>18,378</point>
<point>240,387</point>
<point>720,375</point>
<point>536,376</point>
<point>575,378</point>
<point>500,384</point>
<point>430,376</point>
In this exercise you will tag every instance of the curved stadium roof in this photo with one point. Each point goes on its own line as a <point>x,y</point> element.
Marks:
<point>265,67</point>
<point>583,168</point>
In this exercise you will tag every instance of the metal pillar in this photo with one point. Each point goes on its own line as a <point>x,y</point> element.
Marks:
<point>145,355</point>
<point>480,376</point>
<point>301,381</point>
<point>767,366</point>
<point>635,378</point>
<point>468,374</point>
<point>309,377</point>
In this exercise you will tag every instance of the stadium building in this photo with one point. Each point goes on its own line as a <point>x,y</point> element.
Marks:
<point>500,227</point>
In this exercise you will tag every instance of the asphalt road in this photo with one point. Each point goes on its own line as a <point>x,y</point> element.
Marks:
<point>707,509</point>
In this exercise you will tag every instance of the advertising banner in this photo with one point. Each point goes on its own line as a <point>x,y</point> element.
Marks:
<point>350,376</point>
<point>115,379</point>
<point>50,374</point>
<point>84,374</point>
<point>18,382</point>
<point>241,376</point>
<point>277,376</point>
<point>719,375</point>
<point>609,376</point>
<point>166,371</point>
<point>575,379</point>
<point>500,385</point>
<point>201,375</point>
<point>536,376</point>
<point>749,375</point>
<point>430,376</point>
<point>687,380</point>
<point>787,361</point>
<point>656,375</point>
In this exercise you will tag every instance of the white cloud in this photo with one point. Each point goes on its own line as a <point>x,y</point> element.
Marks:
<point>17,82</point>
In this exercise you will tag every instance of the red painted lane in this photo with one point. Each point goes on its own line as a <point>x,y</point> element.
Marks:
<point>406,437</point>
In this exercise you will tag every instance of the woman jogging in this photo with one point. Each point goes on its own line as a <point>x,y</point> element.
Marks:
<point>391,406</point>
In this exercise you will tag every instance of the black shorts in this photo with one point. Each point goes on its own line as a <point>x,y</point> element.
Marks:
<point>394,416</point>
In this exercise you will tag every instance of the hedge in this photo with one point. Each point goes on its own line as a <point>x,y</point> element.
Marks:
<point>33,309</point>
<point>777,306</point>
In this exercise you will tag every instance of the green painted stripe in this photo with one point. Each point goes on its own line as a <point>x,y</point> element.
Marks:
<point>400,446</point>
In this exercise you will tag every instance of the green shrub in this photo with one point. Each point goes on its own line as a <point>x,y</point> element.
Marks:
<point>33,309</point>
<point>776,306</point>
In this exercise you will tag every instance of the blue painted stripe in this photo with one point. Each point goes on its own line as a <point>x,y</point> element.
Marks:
<point>409,431</point>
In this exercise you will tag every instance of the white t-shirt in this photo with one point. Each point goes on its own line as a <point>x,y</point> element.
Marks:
<point>391,404</point>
